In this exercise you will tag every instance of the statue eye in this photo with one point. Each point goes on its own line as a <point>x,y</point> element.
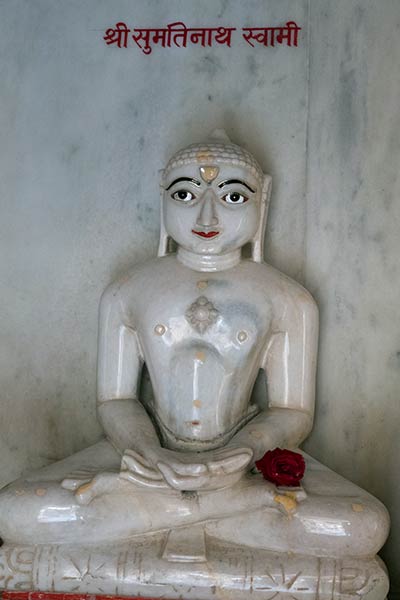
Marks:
<point>235,198</point>
<point>183,196</point>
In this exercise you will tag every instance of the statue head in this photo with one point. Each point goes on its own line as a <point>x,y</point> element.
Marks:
<point>214,199</point>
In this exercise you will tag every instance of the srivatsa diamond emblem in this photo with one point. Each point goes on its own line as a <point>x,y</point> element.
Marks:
<point>201,314</point>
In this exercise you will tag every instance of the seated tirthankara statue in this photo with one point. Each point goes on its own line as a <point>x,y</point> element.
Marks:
<point>169,505</point>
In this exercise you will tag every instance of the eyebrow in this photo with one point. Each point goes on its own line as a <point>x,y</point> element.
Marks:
<point>228,181</point>
<point>195,181</point>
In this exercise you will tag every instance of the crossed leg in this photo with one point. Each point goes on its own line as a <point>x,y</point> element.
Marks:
<point>336,519</point>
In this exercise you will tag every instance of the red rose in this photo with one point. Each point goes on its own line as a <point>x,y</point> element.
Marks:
<point>282,467</point>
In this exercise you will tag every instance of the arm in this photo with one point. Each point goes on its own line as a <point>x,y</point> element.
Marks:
<point>290,366</point>
<point>120,362</point>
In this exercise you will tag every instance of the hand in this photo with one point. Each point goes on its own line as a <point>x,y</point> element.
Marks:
<point>163,468</point>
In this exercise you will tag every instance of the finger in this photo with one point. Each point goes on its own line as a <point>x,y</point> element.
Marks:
<point>181,467</point>
<point>230,464</point>
<point>135,465</point>
<point>222,452</point>
<point>191,469</point>
<point>137,456</point>
<point>143,481</point>
<point>179,482</point>
<point>72,483</point>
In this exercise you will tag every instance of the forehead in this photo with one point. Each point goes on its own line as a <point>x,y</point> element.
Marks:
<point>225,171</point>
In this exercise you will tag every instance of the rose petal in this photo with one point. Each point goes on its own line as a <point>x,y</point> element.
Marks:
<point>282,467</point>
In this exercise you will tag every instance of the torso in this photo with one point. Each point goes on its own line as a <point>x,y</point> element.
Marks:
<point>202,370</point>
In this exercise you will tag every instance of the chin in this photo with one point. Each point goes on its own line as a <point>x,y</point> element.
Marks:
<point>209,249</point>
<point>203,249</point>
<point>212,247</point>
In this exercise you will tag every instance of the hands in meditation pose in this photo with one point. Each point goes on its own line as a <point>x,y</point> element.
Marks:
<point>204,321</point>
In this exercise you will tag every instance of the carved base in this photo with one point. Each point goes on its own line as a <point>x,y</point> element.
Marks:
<point>140,568</point>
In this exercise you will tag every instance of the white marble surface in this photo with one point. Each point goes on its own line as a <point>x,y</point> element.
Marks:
<point>86,128</point>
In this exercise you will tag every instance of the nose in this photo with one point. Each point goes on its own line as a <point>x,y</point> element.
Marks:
<point>207,215</point>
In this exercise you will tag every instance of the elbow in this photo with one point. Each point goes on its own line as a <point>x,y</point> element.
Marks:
<point>305,425</point>
<point>106,411</point>
<point>308,422</point>
<point>112,409</point>
<point>291,426</point>
<point>298,426</point>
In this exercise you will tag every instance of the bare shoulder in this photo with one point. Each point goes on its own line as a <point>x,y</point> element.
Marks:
<point>135,281</point>
<point>286,292</point>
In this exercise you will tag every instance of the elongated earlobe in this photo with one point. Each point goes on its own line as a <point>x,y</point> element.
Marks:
<point>163,246</point>
<point>257,244</point>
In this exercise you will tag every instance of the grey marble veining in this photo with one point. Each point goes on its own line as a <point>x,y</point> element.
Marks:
<point>352,244</point>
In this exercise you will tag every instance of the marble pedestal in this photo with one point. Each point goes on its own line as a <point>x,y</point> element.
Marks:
<point>142,568</point>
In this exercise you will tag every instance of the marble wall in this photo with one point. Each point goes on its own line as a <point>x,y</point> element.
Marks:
<point>86,129</point>
<point>352,244</point>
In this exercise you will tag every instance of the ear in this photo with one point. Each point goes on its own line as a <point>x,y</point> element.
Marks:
<point>164,239</point>
<point>257,245</point>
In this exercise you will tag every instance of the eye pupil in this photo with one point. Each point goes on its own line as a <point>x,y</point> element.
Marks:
<point>235,198</point>
<point>183,196</point>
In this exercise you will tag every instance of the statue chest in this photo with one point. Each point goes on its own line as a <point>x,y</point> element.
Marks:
<point>203,352</point>
<point>228,323</point>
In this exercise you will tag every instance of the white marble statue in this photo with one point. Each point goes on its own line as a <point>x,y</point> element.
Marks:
<point>167,505</point>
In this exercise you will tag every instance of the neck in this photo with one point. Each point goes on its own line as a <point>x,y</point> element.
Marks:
<point>208,262</point>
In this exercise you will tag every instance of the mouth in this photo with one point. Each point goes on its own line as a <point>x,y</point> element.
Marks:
<point>205,234</point>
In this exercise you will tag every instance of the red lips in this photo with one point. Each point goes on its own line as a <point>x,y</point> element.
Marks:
<point>204,234</point>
